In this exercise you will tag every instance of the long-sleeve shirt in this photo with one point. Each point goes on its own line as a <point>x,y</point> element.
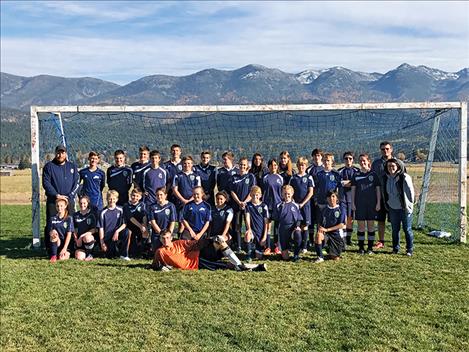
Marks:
<point>60,179</point>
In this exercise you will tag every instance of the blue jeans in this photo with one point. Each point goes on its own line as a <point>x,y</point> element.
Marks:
<point>396,217</point>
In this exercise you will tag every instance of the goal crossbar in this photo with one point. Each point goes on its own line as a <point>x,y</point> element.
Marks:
<point>35,160</point>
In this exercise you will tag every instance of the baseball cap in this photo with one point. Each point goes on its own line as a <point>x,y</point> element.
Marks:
<point>60,148</point>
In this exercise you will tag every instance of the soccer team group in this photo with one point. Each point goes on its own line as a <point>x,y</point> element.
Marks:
<point>284,209</point>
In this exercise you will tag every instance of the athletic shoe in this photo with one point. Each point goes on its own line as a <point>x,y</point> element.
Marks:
<point>369,252</point>
<point>166,268</point>
<point>277,250</point>
<point>409,254</point>
<point>267,251</point>
<point>260,267</point>
<point>304,250</point>
<point>53,259</point>
<point>395,252</point>
<point>125,258</point>
<point>361,251</point>
<point>318,260</point>
<point>244,267</point>
<point>295,258</point>
<point>89,258</point>
<point>378,245</point>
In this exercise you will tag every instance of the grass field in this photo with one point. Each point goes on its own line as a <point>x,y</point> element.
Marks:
<point>371,303</point>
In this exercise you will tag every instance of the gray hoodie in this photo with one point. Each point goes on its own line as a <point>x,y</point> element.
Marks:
<point>402,184</point>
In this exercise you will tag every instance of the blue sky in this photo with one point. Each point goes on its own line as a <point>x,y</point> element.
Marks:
<point>122,41</point>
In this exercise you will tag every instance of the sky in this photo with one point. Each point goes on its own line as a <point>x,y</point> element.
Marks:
<point>123,41</point>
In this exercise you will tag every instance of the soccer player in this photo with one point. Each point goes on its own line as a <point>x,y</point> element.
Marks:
<point>366,200</point>
<point>240,188</point>
<point>207,176</point>
<point>187,255</point>
<point>285,166</point>
<point>173,166</point>
<point>184,182</point>
<point>303,188</point>
<point>330,229</point>
<point>94,180</point>
<point>113,235</point>
<point>162,215</point>
<point>316,166</point>
<point>223,174</point>
<point>139,167</point>
<point>60,180</point>
<point>379,167</point>
<point>196,216</point>
<point>222,216</point>
<point>154,177</point>
<point>400,195</point>
<point>84,223</point>
<point>258,169</point>
<point>289,218</point>
<point>346,173</point>
<point>119,177</point>
<point>61,229</point>
<point>257,222</point>
<point>135,218</point>
<point>273,183</point>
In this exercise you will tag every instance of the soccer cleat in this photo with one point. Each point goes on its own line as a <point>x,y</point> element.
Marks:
<point>260,267</point>
<point>318,260</point>
<point>267,251</point>
<point>379,245</point>
<point>126,258</point>
<point>304,250</point>
<point>53,259</point>
<point>409,254</point>
<point>243,267</point>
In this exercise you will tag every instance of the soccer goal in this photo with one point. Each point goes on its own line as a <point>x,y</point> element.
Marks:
<point>431,137</point>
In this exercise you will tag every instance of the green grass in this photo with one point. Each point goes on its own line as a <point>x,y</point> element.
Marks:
<point>371,303</point>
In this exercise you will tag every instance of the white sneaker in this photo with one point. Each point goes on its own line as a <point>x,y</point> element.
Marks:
<point>125,258</point>
<point>304,250</point>
<point>318,260</point>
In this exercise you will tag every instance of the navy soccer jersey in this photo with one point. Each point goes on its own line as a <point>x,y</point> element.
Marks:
<point>197,215</point>
<point>301,186</point>
<point>272,190</point>
<point>259,215</point>
<point>223,177</point>
<point>137,211</point>
<point>241,186</point>
<point>173,169</point>
<point>60,179</point>
<point>61,225</point>
<point>365,194</point>
<point>327,181</point>
<point>84,222</point>
<point>331,217</point>
<point>288,213</point>
<point>120,180</point>
<point>207,177</point>
<point>138,169</point>
<point>346,173</point>
<point>110,220</point>
<point>220,216</point>
<point>286,177</point>
<point>93,185</point>
<point>260,176</point>
<point>186,183</point>
<point>163,214</point>
<point>152,180</point>
<point>313,171</point>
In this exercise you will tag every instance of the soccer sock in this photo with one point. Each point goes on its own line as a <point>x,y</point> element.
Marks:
<point>297,240</point>
<point>53,249</point>
<point>249,248</point>
<point>361,240</point>
<point>318,248</point>
<point>304,239</point>
<point>231,257</point>
<point>371,240</point>
<point>349,236</point>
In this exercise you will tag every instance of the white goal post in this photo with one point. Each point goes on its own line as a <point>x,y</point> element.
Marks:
<point>462,159</point>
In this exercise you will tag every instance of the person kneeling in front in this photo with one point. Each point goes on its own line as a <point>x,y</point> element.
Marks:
<point>186,255</point>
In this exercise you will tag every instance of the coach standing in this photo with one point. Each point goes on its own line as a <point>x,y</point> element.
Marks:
<point>60,180</point>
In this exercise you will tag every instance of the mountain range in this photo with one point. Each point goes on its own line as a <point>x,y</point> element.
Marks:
<point>251,84</point>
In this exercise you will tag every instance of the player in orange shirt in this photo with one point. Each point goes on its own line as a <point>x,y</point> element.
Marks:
<point>184,254</point>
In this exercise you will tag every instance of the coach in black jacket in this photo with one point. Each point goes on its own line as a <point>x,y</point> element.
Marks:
<point>60,180</point>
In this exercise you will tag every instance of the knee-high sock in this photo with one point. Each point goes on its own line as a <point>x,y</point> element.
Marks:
<point>297,242</point>
<point>318,248</point>
<point>227,252</point>
<point>249,248</point>
<point>304,239</point>
<point>371,239</point>
<point>361,240</point>
<point>349,236</point>
<point>53,249</point>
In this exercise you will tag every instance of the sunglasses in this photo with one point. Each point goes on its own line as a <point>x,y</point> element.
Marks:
<point>383,149</point>
<point>348,158</point>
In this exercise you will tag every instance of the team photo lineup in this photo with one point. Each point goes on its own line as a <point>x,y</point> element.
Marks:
<point>189,214</point>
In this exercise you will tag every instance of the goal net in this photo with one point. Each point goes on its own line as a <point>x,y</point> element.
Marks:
<point>426,136</point>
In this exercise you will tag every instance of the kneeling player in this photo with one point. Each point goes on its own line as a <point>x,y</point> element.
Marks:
<point>162,216</point>
<point>61,228</point>
<point>331,226</point>
<point>84,222</point>
<point>186,255</point>
<point>257,224</point>
<point>196,216</point>
<point>113,235</point>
